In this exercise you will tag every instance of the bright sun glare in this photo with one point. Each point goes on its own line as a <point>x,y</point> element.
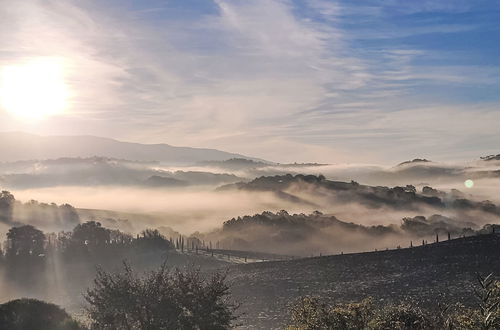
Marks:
<point>34,89</point>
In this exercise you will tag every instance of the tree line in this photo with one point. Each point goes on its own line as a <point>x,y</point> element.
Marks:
<point>28,243</point>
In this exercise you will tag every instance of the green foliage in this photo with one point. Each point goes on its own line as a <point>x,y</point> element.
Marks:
<point>161,299</point>
<point>27,314</point>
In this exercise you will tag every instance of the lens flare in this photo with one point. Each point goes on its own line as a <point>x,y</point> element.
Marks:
<point>469,183</point>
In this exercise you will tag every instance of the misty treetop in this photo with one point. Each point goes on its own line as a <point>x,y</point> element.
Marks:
<point>88,239</point>
<point>305,234</point>
<point>282,233</point>
<point>399,197</point>
<point>375,197</point>
<point>25,241</point>
<point>29,253</point>
<point>13,212</point>
<point>43,264</point>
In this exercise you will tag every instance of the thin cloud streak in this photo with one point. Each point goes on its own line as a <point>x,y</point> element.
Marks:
<point>258,77</point>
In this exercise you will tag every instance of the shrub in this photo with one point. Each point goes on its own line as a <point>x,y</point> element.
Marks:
<point>161,299</point>
<point>314,314</point>
<point>403,317</point>
<point>311,314</point>
<point>24,314</point>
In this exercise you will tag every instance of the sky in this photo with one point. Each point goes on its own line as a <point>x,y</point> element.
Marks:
<point>366,81</point>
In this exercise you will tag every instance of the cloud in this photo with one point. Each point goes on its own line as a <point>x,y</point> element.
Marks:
<point>327,78</point>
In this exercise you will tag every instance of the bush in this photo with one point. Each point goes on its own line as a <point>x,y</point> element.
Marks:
<point>310,314</point>
<point>403,317</point>
<point>313,314</point>
<point>161,299</point>
<point>28,314</point>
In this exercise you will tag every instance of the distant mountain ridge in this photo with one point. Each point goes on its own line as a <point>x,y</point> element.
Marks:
<point>19,146</point>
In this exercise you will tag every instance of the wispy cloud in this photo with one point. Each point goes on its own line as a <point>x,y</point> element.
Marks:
<point>330,80</point>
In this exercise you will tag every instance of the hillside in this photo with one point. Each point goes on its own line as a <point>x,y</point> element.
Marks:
<point>306,234</point>
<point>16,146</point>
<point>437,272</point>
<point>95,171</point>
<point>398,198</point>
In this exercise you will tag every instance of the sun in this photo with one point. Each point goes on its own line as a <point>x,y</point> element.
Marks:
<point>34,89</point>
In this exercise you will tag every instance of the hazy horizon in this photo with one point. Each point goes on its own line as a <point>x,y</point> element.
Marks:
<point>236,154</point>
<point>371,82</point>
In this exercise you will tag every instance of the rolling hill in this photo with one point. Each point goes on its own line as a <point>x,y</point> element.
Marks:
<point>430,274</point>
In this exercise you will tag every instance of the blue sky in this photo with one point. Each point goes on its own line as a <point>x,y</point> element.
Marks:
<point>330,81</point>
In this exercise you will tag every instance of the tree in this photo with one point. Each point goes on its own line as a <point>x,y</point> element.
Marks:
<point>411,189</point>
<point>69,216</point>
<point>22,314</point>
<point>25,241</point>
<point>7,201</point>
<point>161,299</point>
<point>25,257</point>
<point>151,239</point>
<point>90,233</point>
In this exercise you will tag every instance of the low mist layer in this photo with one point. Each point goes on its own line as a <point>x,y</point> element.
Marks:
<point>204,212</point>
